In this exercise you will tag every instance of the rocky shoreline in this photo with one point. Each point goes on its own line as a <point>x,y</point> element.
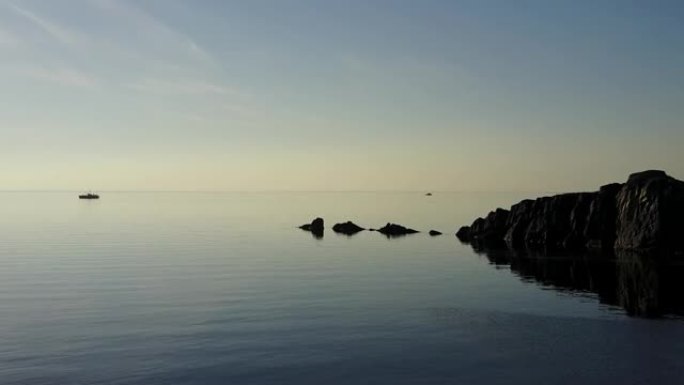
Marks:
<point>644,214</point>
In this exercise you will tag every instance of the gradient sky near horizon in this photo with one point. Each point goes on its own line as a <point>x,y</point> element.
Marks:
<point>338,95</point>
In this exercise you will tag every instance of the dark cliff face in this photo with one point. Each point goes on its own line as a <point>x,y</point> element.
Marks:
<point>650,213</point>
<point>599,232</point>
<point>492,228</point>
<point>646,213</point>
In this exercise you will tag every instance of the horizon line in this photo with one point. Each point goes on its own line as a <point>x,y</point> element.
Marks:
<point>277,191</point>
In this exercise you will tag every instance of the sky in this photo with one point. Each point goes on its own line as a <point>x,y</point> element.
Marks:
<point>220,95</point>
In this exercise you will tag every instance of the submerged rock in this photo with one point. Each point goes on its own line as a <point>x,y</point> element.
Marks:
<point>348,228</point>
<point>646,213</point>
<point>394,230</point>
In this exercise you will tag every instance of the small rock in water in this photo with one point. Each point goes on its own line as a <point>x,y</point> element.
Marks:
<point>435,233</point>
<point>348,228</point>
<point>394,230</point>
<point>316,227</point>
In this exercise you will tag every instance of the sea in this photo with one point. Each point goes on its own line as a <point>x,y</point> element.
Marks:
<point>205,288</point>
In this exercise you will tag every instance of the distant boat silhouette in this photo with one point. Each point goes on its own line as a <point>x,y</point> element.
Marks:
<point>89,196</point>
<point>428,194</point>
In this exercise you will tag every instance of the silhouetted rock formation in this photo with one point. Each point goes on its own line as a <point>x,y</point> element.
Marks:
<point>600,228</point>
<point>650,213</point>
<point>348,228</point>
<point>434,233</point>
<point>491,228</point>
<point>646,213</point>
<point>315,227</point>
<point>464,234</point>
<point>394,230</point>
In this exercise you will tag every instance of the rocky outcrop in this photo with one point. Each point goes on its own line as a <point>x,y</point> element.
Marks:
<point>315,227</point>
<point>645,213</point>
<point>554,222</point>
<point>599,231</point>
<point>464,234</point>
<point>650,213</point>
<point>347,228</point>
<point>434,233</point>
<point>491,228</point>
<point>395,230</point>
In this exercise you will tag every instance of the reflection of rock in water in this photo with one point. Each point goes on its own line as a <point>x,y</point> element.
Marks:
<point>643,285</point>
<point>568,273</point>
<point>648,287</point>
<point>638,287</point>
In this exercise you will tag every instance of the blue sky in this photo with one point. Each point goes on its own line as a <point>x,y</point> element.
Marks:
<point>338,95</point>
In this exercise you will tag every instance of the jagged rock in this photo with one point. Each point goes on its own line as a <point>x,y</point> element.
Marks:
<point>315,227</point>
<point>348,228</point>
<point>490,228</point>
<point>650,213</point>
<point>519,218</point>
<point>599,231</point>
<point>394,230</point>
<point>556,222</point>
<point>645,213</point>
<point>434,233</point>
<point>463,234</point>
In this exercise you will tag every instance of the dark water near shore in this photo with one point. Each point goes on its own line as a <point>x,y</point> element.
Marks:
<point>204,288</point>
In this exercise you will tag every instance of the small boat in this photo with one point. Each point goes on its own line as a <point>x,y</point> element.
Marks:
<point>89,196</point>
<point>428,194</point>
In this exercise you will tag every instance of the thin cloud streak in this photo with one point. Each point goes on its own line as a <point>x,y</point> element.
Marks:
<point>181,87</point>
<point>57,32</point>
<point>151,25</point>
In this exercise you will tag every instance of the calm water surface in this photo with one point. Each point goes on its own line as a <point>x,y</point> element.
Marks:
<point>222,288</point>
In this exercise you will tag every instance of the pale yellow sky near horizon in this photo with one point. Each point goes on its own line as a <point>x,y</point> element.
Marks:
<point>323,96</point>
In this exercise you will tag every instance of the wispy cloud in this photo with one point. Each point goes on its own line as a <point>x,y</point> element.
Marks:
<point>149,25</point>
<point>181,87</point>
<point>61,76</point>
<point>58,32</point>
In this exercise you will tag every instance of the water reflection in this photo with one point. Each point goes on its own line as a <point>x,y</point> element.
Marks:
<point>643,285</point>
